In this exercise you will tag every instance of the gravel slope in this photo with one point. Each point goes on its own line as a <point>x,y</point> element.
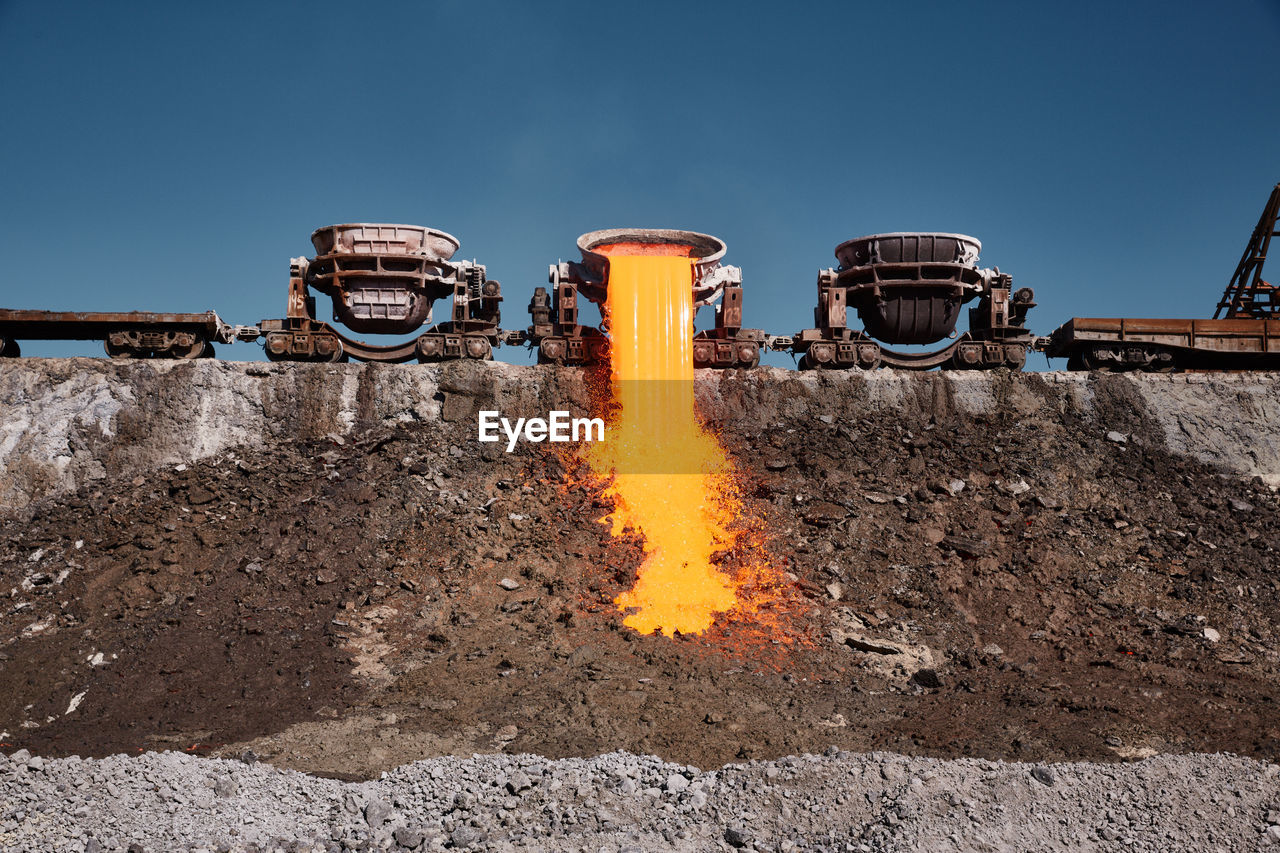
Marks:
<point>618,802</point>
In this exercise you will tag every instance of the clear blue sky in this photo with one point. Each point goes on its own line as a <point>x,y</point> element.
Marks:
<point>173,156</point>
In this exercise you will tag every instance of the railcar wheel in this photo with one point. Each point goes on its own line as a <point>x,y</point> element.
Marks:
<point>338,355</point>
<point>1097,359</point>
<point>478,348</point>
<point>195,349</point>
<point>819,356</point>
<point>1162,361</point>
<point>551,351</point>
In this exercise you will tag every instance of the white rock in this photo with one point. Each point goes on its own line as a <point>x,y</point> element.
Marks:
<point>1017,487</point>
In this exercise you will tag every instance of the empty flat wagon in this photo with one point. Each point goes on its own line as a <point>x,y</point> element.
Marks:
<point>126,334</point>
<point>1244,333</point>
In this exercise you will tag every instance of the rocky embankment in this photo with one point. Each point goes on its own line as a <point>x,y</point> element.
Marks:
<point>1067,575</point>
<point>70,422</point>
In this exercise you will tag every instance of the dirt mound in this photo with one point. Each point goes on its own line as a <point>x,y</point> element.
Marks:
<point>1044,586</point>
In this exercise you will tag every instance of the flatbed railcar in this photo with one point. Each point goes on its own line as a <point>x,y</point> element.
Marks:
<point>125,334</point>
<point>1244,333</point>
<point>1163,346</point>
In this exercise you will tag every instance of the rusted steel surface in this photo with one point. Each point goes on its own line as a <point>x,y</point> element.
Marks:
<point>906,288</point>
<point>561,339</point>
<point>709,276</point>
<point>125,334</point>
<point>385,279</point>
<point>316,341</point>
<point>94,325</point>
<point>1247,295</point>
<point>365,238</point>
<point>1152,344</point>
<point>909,288</point>
<point>909,247</point>
<point>1246,338</point>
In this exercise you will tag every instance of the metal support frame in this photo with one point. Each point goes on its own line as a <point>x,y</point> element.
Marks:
<point>1247,295</point>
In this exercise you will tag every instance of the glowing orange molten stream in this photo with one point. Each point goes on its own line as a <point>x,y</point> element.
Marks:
<point>671,479</point>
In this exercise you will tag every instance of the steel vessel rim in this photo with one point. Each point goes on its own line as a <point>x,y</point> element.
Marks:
<point>588,241</point>
<point>435,232</point>
<point>971,239</point>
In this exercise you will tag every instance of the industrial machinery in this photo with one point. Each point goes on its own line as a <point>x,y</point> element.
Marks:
<point>908,288</point>
<point>384,279</point>
<point>561,339</point>
<point>1244,333</point>
<point>129,334</point>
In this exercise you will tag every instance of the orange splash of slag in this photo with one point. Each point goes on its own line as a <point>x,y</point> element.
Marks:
<point>671,481</point>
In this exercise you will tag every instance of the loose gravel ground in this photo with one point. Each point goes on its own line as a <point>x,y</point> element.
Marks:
<point>623,802</point>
